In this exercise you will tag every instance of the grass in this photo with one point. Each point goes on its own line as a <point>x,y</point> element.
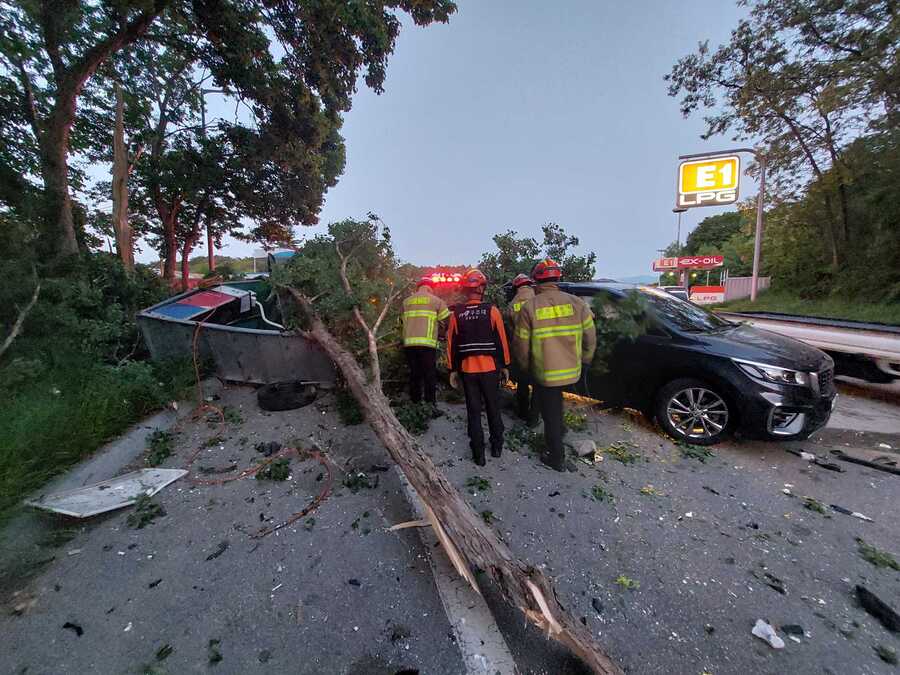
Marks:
<point>827,308</point>
<point>65,413</point>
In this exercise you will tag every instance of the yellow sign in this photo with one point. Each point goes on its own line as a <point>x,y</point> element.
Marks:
<point>708,182</point>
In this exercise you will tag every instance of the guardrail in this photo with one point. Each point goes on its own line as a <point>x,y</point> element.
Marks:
<point>867,350</point>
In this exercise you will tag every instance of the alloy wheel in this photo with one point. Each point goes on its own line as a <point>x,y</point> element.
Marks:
<point>696,412</point>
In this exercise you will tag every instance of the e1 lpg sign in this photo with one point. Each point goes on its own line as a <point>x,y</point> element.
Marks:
<point>712,181</point>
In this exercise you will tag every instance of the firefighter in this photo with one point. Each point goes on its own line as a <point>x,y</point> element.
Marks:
<point>423,315</point>
<point>526,402</point>
<point>477,350</point>
<point>554,339</point>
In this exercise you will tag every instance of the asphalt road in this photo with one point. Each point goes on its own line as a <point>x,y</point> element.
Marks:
<point>696,537</point>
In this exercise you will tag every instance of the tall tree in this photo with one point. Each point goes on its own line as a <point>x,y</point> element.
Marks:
<point>764,86</point>
<point>51,48</point>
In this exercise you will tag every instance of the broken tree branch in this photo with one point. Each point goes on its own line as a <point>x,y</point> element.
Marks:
<point>20,320</point>
<point>470,537</point>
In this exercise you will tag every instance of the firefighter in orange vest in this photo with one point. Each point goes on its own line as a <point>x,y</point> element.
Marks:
<point>422,317</point>
<point>526,402</point>
<point>477,349</point>
<point>554,339</point>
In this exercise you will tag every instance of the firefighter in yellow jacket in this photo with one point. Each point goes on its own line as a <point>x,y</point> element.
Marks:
<point>423,315</point>
<point>553,340</point>
<point>526,401</point>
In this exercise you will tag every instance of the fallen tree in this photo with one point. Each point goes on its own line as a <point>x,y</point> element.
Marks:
<point>358,250</point>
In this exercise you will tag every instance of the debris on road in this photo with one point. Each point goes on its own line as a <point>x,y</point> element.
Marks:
<point>627,582</point>
<point>278,470</point>
<point>848,512</point>
<point>145,512</point>
<point>815,459</point>
<point>770,580</point>
<point>697,452</point>
<point>876,556</point>
<point>765,632</point>
<point>886,654</point>
<point>843,456</point>
<point>597,605</point>
<point>213,653</point>
<point>268,449</point>
<point>74,627</point>
<point>220,549</point>
<point>793,629</point>
<point>585,448</point>
<point>108,495</point>
<point>164,652</point>
<point>878,608</point>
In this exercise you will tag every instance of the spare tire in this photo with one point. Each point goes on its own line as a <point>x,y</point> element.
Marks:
<point>286,395</point>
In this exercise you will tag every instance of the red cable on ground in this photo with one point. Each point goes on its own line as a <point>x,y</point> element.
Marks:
<point>202,406</point>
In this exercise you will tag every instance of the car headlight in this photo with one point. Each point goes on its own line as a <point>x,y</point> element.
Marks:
<point>776,374</point>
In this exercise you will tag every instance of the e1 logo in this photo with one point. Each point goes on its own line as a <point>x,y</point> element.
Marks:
<point>708,182</point>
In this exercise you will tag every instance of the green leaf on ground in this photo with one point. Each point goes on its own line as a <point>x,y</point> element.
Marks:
<point>160,443</point>
<point>877,557</point>
<point>627,582</point>
<point>145,512</point>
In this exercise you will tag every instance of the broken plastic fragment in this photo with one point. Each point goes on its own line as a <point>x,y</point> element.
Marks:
<point>764,631</point>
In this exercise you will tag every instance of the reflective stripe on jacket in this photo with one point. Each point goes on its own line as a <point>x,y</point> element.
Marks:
<point>523,295</point>
<point>422,311</point>
<point>478,363</point>
<point>554,335</point>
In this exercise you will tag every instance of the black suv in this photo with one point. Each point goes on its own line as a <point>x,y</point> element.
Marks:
<point>702,377</point>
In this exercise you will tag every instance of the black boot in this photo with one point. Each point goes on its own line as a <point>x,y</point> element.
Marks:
<point>552,462</point>
<point>495,452</point>
<point>478,456</point>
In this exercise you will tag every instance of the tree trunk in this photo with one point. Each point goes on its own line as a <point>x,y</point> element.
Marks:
<point>124,241</point>
<point>522,585</point>
<point>210,247</point>
<point>186,249</point>
<point>59,221</point>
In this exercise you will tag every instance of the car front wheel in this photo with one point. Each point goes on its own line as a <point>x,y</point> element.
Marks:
<point>693,411</point>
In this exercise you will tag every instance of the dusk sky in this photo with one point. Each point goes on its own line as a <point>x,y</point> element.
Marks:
<point>519,113</point>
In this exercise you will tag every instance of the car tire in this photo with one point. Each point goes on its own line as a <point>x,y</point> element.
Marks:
<point>286,395</point>
<point>693,411</point>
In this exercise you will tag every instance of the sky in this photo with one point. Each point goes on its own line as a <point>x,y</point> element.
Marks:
<point>520,113</point>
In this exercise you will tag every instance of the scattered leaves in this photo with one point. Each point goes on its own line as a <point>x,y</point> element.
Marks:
<point>575,421</point>
<point>877,557</point>
<point>814,504</point>
<point>357,480</point>
<point>697,452</point>
<point>145,512</point>
<point>160,443</point>
<point>232,415</point>
<point>478,484</point>
<point>280,469</point>
<point>650,491</point>
<point>487,517</point>
<point>620,451</point>
<point>628,582</point>
<point>415,417</point>
<point>601,494</point>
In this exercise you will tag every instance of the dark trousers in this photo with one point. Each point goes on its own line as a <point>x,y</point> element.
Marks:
<point>551,403</point>
<point>526,399</point>
<point>482,391</point>
<point>422,373</point>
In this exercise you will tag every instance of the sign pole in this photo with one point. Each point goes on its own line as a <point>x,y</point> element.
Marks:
<point>760,215</point>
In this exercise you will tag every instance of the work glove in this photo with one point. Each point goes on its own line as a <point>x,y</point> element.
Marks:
<point>504,375</point>
<point>454,380</point>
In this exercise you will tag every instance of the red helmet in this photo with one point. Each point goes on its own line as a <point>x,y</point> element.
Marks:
<point>546,270</point>
<point>425,280</point>
<point>473,278</point>
<point>522,280</point>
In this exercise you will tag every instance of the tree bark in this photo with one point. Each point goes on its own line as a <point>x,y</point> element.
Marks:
<point>522,585</point>
<point>210,247</point>
<point>121,227</point>
<point>54,153</point>
<point>186,249</point>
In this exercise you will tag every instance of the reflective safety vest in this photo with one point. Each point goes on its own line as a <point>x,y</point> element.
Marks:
<point>422,311</point>
<point>523,295</point>
<point>554,334</point>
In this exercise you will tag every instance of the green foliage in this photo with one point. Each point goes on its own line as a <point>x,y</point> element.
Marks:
<point>713,232</point>
<point>348,409</point>
<point>601,494</point>
<point>616,319</point>
<point>575,421</point>
<point>877,557</point>
<point>232,415</point>
<point>620,452</point>
<point>478,484</point>
<point>516,255</point>
<point>520,437</point>
<point>278,470</point>
<point>49,423</point>
<point>145,511</point>
<point>697,452</point>
<point>487,517</point>
<point>415,417</point>
<point>358,480</point>
<point>160,443</point>
<point>814,504</point>
<point>627,582</point>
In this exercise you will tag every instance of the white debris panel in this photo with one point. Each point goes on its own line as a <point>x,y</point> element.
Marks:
<point>109,495</point>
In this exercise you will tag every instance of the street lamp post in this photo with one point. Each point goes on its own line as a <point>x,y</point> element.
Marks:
<point>679,211</point>
<point>760,202</point>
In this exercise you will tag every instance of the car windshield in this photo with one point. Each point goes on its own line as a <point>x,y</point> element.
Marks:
<point>680,313</point>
